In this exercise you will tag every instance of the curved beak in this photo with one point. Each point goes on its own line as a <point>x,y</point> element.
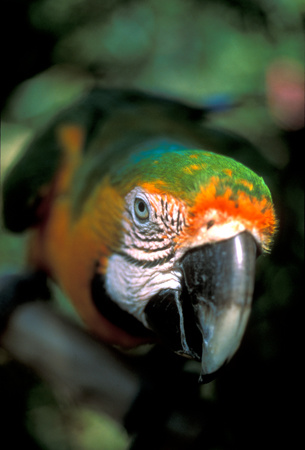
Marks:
<point>206,320</point>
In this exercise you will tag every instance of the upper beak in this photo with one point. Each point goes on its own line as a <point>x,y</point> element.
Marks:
<point>207,319</point>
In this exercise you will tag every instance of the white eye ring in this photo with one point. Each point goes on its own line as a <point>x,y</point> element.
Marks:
<point>141,209</point>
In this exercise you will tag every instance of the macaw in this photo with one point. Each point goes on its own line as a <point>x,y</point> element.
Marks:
<point>152,234</point>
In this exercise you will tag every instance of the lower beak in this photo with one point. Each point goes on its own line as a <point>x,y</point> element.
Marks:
<point>206,320</point>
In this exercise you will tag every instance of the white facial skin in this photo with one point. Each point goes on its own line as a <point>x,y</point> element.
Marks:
<point>146,262</point>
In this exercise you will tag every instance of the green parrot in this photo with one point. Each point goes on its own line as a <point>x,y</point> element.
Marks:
<point>152,233</point>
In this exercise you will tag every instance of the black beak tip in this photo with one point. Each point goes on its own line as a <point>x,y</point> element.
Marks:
<point>205,378</point>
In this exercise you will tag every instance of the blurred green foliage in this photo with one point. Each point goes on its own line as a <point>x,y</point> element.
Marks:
<point>193,50</point>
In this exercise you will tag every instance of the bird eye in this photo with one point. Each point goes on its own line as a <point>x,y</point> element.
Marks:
<point>141,209</point>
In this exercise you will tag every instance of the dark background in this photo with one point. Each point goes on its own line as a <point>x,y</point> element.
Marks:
<point>216,52</point>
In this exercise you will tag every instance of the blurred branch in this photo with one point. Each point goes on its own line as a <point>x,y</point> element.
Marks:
<point>75,365</point>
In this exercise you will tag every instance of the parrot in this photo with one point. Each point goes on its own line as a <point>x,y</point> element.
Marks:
<point>133,208</point>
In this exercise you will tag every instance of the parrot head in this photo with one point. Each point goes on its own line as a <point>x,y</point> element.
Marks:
<point>189,227</point>
<point>150,238</point>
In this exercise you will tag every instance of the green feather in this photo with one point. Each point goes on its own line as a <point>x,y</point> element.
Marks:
<point>183,172</point>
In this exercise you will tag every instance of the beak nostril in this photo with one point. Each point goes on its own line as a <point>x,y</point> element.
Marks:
<point>210,224</point>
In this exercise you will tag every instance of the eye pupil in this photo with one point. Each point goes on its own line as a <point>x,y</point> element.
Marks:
<point>141,209</point>
<point>141,206</point>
